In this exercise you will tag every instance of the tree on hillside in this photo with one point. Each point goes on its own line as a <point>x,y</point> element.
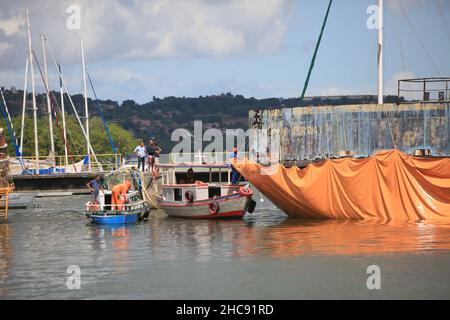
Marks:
<point>123,139</point>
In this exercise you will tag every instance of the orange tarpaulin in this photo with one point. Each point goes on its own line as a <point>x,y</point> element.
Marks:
<point>390,185</point>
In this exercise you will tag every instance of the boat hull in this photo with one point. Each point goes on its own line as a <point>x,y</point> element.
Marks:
<point>114,218</point>
<point>388,186</point>
<point>229,207</point>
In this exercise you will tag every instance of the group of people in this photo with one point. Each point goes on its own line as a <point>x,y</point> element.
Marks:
<point>147,154</point>
<point>118,192</point>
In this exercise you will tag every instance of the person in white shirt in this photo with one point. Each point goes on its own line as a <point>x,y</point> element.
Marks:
<point>140,152</point>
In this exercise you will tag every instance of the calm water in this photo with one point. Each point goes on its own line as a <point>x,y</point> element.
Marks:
<point>264,256</point>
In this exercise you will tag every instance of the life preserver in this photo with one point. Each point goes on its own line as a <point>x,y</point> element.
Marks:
<point>189,196</point>
<point>213,208</point>
<point>245,191</point>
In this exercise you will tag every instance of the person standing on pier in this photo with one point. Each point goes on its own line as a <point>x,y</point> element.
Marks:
<point>153,151</point>
<point>140,152</point>
<point>234,173</point>
<point>95,186</point>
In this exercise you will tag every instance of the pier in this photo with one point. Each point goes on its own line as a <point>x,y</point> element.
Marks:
<point>70,182</point>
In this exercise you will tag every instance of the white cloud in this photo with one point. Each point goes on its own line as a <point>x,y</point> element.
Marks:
<point>120,29</point>
<point>391,87</point>
<point>11,25</point>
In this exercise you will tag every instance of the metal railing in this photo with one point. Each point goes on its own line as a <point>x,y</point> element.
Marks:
<point>203,157</point>
<point>113,207</point>
<point>434,90</point>
<point>76,164</point>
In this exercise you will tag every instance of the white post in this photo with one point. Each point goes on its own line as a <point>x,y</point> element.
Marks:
<point>33,89</point>
<point>49,107</point>
<point>380,51</point>
<point>86,109</point>
<point>24,102</point>
<point>66,158</point>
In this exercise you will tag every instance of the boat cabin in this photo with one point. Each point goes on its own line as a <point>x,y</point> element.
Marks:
<point>199,181</point>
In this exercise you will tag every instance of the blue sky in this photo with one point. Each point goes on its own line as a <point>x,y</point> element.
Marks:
<point>260,49</point>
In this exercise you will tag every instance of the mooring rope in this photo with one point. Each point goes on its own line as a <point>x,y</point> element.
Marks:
<point>315,52</point>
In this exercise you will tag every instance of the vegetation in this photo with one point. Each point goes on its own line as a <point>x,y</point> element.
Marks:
<point>158,118</point>
<point>123,139</point>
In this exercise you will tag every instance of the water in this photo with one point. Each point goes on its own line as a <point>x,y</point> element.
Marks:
<point>264,256</point>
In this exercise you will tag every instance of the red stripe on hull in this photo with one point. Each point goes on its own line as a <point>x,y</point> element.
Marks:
<point>222,215</point>
<point>202,202</point>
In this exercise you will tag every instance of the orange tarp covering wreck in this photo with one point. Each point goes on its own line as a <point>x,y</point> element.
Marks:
<point>387,186</point>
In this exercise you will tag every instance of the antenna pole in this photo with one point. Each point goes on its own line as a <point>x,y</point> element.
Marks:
<point>33,90</point>
<point>86,108</point>
<point>66,158</point>
<point>24,102</point>
<point>380,51</point>
<point>49,109</point>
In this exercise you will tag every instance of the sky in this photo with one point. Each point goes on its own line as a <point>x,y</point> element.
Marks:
<point>138,49</point>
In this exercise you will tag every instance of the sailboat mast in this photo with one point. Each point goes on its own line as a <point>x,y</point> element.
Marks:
<point>66,158</point>
<point>33,90</point>
<point>49,107</point>
<point>86,108</point>
<point>24,103</point>
<point>380,51</point>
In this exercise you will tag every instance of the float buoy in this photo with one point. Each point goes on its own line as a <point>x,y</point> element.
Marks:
<point>213,208</point>
<point>245,191</point>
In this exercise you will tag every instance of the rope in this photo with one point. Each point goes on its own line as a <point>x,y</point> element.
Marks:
<point>315,52</point>
<point>441,11</point>
<point>10,125</point>
<point>140,181</point>
<point>53,102</point>
<point>102,116</point>
<point>418,38</point>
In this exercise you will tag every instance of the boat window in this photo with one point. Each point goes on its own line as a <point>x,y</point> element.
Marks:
<point>107,199</point>
<point>177,194</point>
<point>214,192</point>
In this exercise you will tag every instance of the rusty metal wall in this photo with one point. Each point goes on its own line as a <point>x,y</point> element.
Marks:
<point>308,133</point>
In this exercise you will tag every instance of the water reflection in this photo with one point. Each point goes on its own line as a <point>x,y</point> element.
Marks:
<point>46,241</point>
<point>5,254</point>
<point>330,237</point>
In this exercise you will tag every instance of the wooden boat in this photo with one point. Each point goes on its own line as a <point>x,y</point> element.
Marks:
<point>6,184</point>
<point>212,198</point>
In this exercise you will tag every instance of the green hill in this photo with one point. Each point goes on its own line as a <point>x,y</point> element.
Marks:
<point>130,121</point>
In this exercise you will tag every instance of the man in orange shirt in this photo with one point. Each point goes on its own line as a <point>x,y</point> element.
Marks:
<point>119,195</point>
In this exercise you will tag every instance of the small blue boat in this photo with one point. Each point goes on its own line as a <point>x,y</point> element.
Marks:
<point>114,218</point>
<point>105,213</point>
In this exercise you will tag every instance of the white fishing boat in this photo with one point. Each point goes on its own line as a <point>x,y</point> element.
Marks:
<point>202,191</point>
